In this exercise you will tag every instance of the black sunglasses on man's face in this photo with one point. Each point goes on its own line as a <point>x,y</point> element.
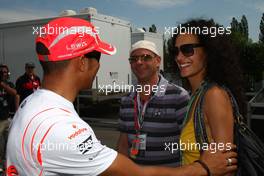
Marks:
<point>187,49</point>
<point>144,57</point>
<point>93,55</point>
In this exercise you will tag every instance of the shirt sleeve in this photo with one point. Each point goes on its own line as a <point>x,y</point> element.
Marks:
<point>72,148</point>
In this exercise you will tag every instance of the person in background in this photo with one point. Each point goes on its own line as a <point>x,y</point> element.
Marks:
<point>28,82</point>
<point>7,98</point>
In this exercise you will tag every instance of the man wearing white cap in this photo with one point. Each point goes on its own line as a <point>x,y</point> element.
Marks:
<point>51,139</point>
<point>154,118</point>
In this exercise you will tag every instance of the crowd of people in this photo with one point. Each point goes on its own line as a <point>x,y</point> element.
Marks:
<point>147,121</point>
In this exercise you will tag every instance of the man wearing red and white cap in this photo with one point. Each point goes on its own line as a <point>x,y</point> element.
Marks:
<point>51,139</point>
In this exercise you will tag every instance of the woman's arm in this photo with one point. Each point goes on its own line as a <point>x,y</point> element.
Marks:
<point>219,115</point>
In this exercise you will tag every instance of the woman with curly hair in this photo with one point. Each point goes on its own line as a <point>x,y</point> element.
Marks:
<point>210,65</point>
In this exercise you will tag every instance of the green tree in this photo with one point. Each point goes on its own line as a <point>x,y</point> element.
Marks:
<point>153,28</point>
<point>261,27</point>
<point>234,25</point>
<point>251,54</point>
<point>240,30</point>
<point>244,26</point>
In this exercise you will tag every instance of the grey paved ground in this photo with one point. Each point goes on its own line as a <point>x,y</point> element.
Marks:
<point>108,136</point>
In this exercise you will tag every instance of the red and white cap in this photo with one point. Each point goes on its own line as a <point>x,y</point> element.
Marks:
<point>67,38</point>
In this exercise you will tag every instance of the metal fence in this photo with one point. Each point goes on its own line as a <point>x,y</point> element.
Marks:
<point>256,107</point>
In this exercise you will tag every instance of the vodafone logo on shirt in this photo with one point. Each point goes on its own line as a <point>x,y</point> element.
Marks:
<point>77,132</point>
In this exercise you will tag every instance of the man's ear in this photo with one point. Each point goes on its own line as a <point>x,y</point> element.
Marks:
<point>158,61</point>
<point>81,63</point>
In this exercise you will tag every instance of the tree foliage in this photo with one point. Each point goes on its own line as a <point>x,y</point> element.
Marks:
<point>251,54</point>
<point>261,27</point>
<point>244,26</point>
<point>153,28</point>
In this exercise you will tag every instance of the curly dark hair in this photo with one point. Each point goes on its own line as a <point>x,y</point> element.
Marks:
<point>223,65</point>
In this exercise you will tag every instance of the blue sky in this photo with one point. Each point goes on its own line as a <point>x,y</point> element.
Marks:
<point>142,13</point>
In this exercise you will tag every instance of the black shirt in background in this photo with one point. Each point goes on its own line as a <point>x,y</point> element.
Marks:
<point>25,85</point>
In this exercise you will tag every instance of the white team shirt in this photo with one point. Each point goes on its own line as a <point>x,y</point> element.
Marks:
<point>47,137</point>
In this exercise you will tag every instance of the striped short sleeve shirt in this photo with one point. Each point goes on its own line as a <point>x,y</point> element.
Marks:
<point>162,124</point>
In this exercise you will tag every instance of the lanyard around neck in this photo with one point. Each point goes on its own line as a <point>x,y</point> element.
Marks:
<point>139,112</point>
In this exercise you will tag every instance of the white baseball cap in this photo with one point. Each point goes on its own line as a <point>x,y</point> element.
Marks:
<point>144,44</point>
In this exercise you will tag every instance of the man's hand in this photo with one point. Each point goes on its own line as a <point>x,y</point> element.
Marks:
<point>122,144</point>
<point>8,89</point>
<point>217,162</point>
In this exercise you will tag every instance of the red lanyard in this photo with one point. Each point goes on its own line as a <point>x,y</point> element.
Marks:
<point>139,113</point>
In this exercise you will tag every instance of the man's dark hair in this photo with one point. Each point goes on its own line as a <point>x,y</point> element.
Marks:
<point>49,66</point>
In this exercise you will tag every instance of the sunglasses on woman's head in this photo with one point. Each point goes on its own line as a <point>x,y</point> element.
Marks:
<point>93,55</point>
<point>187,49</point>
